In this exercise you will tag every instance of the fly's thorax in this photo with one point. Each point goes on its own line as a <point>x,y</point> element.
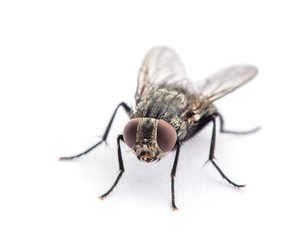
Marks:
<point>166,102</point>
<point>150,138</point>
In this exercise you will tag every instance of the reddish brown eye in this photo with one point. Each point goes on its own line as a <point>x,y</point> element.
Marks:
<point>166,136</point>
<point>129,132</point>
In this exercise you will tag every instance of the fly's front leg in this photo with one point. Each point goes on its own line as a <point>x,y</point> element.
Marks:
<point>121,167</point>
<point>173,173</point>
<point>211,156</point>
<point>127,109</point>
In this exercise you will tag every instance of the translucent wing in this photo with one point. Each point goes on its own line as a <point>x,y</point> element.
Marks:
<point>161,65</point>
<point>224,82</point>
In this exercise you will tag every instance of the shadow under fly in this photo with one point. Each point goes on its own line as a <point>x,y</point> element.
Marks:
<point>170,109</point>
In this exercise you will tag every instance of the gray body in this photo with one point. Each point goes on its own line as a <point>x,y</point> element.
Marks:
<point>186,112</point>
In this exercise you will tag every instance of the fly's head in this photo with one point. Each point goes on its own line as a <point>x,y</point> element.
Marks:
<point>150,138</point>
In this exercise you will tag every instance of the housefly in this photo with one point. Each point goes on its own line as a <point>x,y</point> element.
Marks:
<point>169,110</point>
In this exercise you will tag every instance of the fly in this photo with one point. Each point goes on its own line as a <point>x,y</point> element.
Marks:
<point>169,110</point>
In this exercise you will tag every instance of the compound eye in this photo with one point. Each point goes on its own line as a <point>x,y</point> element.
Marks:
<point>129,132</point>
<point>166,136</point>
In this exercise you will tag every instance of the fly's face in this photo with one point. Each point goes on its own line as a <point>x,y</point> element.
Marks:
<point>150,138</point>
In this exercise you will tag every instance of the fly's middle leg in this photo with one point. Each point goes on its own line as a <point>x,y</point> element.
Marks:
<point>104,138</point>
<point>211,156</point>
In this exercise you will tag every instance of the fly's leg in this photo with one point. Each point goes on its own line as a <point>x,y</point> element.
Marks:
<point>121,168</point>
<point>83,153</point>
<point>127,109</point>
<point>211,157</point>
<point>223,130</point>
<point>173,173</point>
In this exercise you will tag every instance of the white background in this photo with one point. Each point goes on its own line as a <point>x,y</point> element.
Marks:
<point>64,67</point>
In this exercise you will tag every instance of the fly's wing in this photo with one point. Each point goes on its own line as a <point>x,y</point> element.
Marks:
<point>160,66</point>
<point>224,82</point>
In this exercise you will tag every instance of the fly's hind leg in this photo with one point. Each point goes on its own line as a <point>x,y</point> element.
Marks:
<point>223,130</point>
<point>127,109</point>
<point>211,156</point>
